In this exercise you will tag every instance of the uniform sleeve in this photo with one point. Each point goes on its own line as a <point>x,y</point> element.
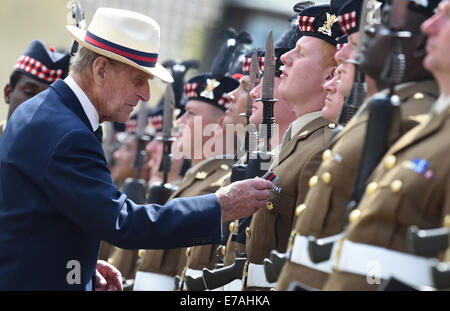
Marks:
<point>79,186</point>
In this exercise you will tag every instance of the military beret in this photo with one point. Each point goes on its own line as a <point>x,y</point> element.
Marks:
<point>342,40</point>
<point>349,16</point>
<point>210,89</point>
<point>42,63</point>
<point>248,60</point>
<point>321,22</point>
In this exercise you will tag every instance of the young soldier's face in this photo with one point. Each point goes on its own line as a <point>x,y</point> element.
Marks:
<point>333,101</point>
<point>377,45</point>
<point>346,71</point>
<point>124,158</point>
<point>155,152</point>
<point>437,28</point>
<point>197,126</point>
<point>303,74</point>
<point>237,103</point>
<point>25,88</point>
<point>283,110</point>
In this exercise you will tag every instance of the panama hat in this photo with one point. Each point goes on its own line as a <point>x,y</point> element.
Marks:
<point>129,37</point>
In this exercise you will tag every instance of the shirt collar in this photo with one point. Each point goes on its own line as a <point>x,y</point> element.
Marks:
<point>440,105</point>
<point>302,121</point>
<point>87,105</point>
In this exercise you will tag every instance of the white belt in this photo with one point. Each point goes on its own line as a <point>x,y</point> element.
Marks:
<point>150,281</point>
<point>300,255</point>
<point>257,277</point>
<point>373,261</point>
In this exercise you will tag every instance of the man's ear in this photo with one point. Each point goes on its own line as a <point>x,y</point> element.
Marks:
<point>7,93</point>
<point>99,68</point>
<point>220,120</point>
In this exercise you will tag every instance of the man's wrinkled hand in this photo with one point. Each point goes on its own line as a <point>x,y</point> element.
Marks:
<point>109,277</point>
<point>243,198</point>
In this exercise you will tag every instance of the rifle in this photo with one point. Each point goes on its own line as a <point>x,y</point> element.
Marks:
<point>135,188</point>
<point>257,159</point>
<point>429,243</point>
<point>383,126</point>
<point>220,277</point>
<point>238,171</point>
<point>426,243</point>
<point>77,14</point>
<point>159,193</point>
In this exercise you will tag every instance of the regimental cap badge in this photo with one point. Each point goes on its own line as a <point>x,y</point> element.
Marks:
<point>320,21</point>
<point>326,28</point>
<point>211,84</point>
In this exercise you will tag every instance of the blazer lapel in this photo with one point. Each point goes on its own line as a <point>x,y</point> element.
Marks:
<point>71,101</point>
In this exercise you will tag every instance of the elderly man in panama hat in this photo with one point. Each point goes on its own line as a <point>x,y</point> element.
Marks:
<point>51,151</point>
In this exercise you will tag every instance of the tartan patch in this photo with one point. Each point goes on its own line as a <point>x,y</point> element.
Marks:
<point>247,62</point>
<point>347,21</point>
<point>223,101</point>
<point>190,89</point>
<point>305,23</point>
<point>36,68</point>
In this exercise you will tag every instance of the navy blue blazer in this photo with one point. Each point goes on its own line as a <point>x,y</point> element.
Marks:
<point>57,201</point>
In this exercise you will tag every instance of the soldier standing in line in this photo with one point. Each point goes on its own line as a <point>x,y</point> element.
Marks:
<point>410,186</point>
<point>312,63</point>
<point>284,115</point>
<point>205,109</point>
<point>322,214</point>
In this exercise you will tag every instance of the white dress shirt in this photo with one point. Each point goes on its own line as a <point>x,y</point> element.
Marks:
<point>87,105</point>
